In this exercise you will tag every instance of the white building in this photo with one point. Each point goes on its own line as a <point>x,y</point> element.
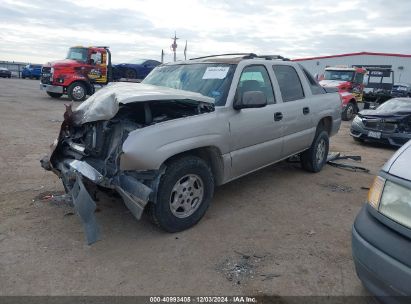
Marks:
<point>399,63</point>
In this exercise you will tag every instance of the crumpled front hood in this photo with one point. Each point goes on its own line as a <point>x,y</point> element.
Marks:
<point>105,103</point>
<point>384,113</point>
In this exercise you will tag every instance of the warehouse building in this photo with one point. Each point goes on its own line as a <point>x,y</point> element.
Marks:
<point>399,63</point>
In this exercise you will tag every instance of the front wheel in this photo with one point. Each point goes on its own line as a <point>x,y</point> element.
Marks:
<point>54,95</point>
<point>184,194</point>
<point>77,91</point>
<point>314,159</point>
<point>348,112</point>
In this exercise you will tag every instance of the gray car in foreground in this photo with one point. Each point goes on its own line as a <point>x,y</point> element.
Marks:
<point>164,144</point>
<point>381,234</point>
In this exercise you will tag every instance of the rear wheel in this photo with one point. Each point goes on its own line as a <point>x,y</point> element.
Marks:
<point>54,95</point>
<point>77,91</point>
<point>130,74</point>
<point>349,112</point>
<point>314,159</point>
<point>184,194</point>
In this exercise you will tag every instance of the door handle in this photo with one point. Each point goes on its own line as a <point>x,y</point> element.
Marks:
<point>278,116</point>
<point>306,110</point>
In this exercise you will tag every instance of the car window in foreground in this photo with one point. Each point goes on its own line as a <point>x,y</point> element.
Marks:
<point>255,78</point>
<point>314,85</point>
<point>289,82</point>
<point>209,79</point>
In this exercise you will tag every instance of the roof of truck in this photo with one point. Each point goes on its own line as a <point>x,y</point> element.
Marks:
<point>233,58</point>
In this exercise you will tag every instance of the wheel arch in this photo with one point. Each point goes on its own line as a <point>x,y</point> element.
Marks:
<point>325,123</point>
<point>211,155</point>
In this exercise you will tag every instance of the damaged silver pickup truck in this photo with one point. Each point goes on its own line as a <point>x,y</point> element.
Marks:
<point>164,144</point>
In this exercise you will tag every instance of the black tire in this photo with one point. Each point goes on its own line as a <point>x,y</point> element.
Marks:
<point>349,112</point>
<point>77,91</point>
<point>23,77</point>
<point>161,212</point>
<point>54,95</point>
<point>312,160</point>
<point>130,74</point>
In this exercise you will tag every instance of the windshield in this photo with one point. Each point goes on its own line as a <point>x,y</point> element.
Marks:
<point>396,105</point>
<point>339,75</point>
<point>209,79</point>
<point>79,54</point>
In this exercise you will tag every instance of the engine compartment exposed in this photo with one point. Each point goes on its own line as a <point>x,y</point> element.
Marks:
<point>100,142</point>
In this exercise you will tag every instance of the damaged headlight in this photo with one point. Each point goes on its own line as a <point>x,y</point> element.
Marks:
<point>396,203</point>
<point>357,120</point>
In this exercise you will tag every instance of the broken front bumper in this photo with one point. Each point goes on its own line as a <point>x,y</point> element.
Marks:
<point>51,88</point>
<point>391,138</point>
<point>73,172</point>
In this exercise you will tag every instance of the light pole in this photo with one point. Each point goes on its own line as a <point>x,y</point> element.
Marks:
<point>174,46</point>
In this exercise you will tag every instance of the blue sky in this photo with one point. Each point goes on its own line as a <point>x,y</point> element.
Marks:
<point>40,30</point>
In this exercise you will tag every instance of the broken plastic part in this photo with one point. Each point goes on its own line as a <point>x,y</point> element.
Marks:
<point>85,207</point>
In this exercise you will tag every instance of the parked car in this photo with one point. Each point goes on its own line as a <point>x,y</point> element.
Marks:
<point>31,71</point>
<point>188,127</point>
<point>389,123</point>
<point>381,234</point>
<point>5,73</point>
<point>401,90</point>
<point>137,69</point>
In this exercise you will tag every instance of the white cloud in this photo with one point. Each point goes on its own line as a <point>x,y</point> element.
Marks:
<point>40,31</point>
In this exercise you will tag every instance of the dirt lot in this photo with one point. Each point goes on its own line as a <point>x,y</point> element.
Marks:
<point>280,231</point>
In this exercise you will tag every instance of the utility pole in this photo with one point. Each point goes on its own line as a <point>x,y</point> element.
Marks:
<point>174,46</point>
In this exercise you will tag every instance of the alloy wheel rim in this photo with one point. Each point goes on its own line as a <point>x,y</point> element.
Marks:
<point>350,111</point>
<point>78,92</point>
<point>186,195</point>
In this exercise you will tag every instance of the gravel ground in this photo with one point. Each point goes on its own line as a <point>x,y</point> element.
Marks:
<point>279,231</point>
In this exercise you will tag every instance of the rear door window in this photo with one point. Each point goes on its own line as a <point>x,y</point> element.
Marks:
<point>289,82</point>
<point>315,87</point>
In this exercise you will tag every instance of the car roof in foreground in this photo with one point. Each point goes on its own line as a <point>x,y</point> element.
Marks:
<point>398,164</point>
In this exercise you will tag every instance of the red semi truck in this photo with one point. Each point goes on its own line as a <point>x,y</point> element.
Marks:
<point>349,82</point>
<point>76,75</point>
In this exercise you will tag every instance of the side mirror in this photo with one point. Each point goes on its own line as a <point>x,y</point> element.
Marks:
<point>251,99</point>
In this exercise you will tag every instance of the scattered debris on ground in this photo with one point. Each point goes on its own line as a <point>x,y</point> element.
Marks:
<point>334,157</point>
<point>242,267</point>
<point>311,233</point>
<point>337,188</point>
<point>56,197</point>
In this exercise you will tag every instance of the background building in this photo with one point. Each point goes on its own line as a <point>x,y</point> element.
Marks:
<point>399,63</point>
<point>14,66</point>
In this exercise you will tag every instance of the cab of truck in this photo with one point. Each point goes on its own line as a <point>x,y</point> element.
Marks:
<point>77,74</point>
<point>349,83</point>
<point>31,71</point>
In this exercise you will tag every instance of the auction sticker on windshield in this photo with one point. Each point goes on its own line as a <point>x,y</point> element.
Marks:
<point>218,72</point>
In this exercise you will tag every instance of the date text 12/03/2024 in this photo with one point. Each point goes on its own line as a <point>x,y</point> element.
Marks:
<point>205,299</point>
